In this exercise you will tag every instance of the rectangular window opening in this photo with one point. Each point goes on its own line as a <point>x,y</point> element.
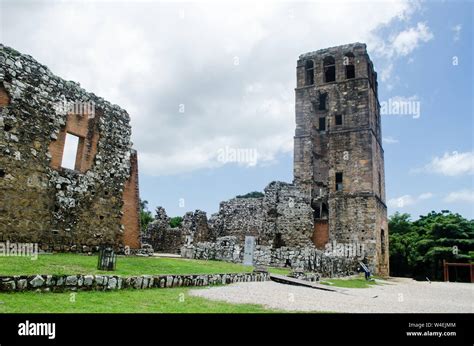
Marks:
<point>338,119</point>
<point>338,181</point>
<point>71,145</point>
<point>322,124</point>
<point>350,71</point>
<point>278,241</point>
<point>317,212</point>
<point>330,74</point>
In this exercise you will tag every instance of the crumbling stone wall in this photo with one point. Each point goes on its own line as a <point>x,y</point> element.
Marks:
<point>283,217</point>
<point>301,258</point>
<point>239,217</point>
<point>289,216</point>
<point>227,248</point>
<point>42,202</point>
<point>195,226</point>
<point>164,238</point>
<point>160,235</point>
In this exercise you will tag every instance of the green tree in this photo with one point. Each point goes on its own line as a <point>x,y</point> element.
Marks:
<point>145,215</point>
<point>400,223</point>
<point>418,248</point>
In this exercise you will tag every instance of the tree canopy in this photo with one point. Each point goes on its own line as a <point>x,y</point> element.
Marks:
<point>176,221</point>
<point>418,248</point>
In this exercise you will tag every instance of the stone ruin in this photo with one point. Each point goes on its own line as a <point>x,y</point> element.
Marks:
<point>61,209</point>
<point>164,238</point>
<point>338,193</point>
<point>283,217</point>
<point>298,258</point>
<point>338,154</point>
<point>280,221</point>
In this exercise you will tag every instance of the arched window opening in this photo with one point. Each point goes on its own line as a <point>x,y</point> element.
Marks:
<point>320,211</point>
<point>324,211</point>
<point>329,69</point>
<point>309,72</point>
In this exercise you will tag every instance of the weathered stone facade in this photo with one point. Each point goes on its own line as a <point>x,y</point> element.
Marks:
<point>283,217</point>
<point>42,202</point>
<point>338,155</point>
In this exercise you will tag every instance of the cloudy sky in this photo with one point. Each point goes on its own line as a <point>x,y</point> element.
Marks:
<point>203,79</point>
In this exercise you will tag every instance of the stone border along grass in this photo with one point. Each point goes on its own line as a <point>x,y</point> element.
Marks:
<point>60,283</point>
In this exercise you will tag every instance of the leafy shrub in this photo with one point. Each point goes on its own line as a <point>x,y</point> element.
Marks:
<point>176,221</point>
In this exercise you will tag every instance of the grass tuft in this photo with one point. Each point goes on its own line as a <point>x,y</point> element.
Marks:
<point>357,282</point>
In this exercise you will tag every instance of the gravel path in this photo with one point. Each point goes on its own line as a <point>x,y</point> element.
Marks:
<point>394,295</point>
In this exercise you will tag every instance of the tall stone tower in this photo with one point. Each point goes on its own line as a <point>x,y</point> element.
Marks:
<point>338,155</point>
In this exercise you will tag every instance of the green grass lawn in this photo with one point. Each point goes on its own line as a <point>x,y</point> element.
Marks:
<point>70,264</point>
<point>280,271</point>
<point>64,264</point>
<point>357,282</point>
<point>169,300</point>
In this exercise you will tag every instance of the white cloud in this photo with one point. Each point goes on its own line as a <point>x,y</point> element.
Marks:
<point>408,200</point>
<point>401,202</point>
<point>232,65</point>
<point>389,140</point>
<point>457,32</point>
<point>386,72</point>
<point>426,195</point>
<point>466,196</point>
<point>399,45</point>
<point>451,164</point>
<point>408,40</point>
